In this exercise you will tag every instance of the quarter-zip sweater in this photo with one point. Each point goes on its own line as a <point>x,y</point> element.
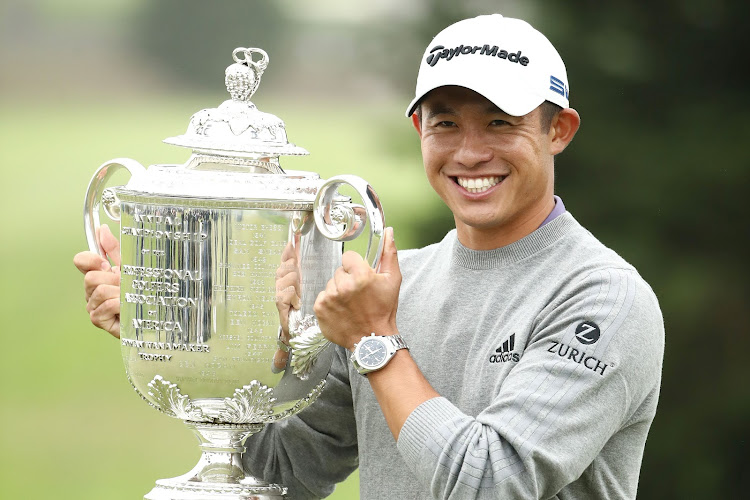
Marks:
<point>547,354</point>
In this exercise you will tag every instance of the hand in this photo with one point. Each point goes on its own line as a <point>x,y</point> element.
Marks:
<point>287,296</point>
<point>358,300</point>
<point>102,282</point>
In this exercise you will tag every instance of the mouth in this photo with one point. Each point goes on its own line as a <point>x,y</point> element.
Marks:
<point>478,184</point>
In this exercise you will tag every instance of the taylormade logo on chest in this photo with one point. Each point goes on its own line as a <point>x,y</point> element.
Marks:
<point>440,52</point>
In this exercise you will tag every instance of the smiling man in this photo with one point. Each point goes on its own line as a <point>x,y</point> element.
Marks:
<point>494,170</point>
<point>518,358</point>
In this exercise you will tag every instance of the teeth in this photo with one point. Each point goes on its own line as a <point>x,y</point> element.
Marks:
<point>474,185</point>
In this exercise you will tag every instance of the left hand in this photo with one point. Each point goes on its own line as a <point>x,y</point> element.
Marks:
<point>287,297</point>
<point>358,300</point>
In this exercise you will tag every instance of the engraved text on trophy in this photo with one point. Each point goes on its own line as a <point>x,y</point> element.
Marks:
<point>198,295</point>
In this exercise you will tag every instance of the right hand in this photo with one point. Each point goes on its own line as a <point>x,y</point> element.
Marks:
<point>102,282</point>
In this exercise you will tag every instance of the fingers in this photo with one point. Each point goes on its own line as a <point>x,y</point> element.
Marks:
<point>340,278</point>
<point>102,294</point>
<point>280,359</point>
<point>101,283</point>
<point>389,260</point>
<point>286,267</point>
<point>353,263</point>
<point>109,244</point>
<point>285,337</point>
<point>288,289</point>
<point>89,261</point>
<point>287,297</point>
<point>291,250</point>
<point>284,303</point>
<point>107,316</point>
<point>94,279</point>
<point>331,288</point>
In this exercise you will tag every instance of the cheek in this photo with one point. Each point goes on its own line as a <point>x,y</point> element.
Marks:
<point>438,148</point>
<point>432,157</point>
<point>513,146</point>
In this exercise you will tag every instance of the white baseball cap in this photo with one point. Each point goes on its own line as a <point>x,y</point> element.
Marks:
<point>506,60</point>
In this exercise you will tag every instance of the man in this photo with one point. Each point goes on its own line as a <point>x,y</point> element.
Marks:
<point>534,352</point>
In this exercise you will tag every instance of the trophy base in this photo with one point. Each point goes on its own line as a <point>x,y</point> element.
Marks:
<point>179,489</point>
<point>218,474</point>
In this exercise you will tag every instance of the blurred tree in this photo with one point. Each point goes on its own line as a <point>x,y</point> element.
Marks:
<point>182,35</point>
<point>660,175</point>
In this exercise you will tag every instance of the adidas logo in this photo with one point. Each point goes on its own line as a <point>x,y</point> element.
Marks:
<point>504,353</point>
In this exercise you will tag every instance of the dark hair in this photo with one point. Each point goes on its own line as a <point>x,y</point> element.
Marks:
<point>549,111</point>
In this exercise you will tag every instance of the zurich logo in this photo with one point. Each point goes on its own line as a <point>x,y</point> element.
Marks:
<point>588,332</point>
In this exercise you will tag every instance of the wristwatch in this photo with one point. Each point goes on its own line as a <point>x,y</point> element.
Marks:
<point>374,352</point>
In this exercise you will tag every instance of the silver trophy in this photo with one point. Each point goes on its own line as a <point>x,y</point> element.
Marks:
<point>202,247</point>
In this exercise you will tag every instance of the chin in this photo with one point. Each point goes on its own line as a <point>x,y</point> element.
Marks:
<point>482,223</point>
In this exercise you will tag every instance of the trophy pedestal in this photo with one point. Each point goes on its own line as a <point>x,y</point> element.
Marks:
<point>218,474</point>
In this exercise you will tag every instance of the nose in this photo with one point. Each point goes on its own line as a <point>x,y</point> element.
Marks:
<point>473,150</point>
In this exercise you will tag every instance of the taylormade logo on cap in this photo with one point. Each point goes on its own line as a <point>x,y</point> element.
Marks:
<point>505,60</point>
<point>439,52</point>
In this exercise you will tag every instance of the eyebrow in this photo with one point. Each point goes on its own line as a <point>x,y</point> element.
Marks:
<point>444,109</point>
<point>440,109</point>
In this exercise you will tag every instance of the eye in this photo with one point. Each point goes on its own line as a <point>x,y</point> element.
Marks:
<point>445,123</point>
<point>499,123</point>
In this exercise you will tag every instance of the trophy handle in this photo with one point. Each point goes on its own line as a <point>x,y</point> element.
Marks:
<point>96,193</point>
<point>340,220</point>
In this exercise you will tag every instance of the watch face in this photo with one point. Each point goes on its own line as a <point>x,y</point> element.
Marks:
<point>372,353</point>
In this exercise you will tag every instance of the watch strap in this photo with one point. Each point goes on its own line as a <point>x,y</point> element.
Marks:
<point>398,341</point>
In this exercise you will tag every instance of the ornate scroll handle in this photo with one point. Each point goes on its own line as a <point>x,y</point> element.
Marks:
<point>96,194</point>
<point>337,220</point>
<point>344,221</point>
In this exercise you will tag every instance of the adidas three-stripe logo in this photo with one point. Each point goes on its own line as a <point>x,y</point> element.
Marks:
<point>504,353</point>
<point>508,345</point>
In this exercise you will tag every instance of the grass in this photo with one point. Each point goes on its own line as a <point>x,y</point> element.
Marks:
<point>72,426</point>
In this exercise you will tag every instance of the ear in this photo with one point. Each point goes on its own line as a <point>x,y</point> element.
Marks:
<point>563,129</point>
<point>417,124</point>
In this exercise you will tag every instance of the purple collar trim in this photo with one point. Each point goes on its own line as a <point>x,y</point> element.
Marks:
<point>559,209</point>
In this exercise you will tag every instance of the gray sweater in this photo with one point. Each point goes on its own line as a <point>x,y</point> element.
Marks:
<point>547,354</point>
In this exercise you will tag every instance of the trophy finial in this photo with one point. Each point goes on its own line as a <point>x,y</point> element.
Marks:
<point>243,77</point>
<point>237,127</point>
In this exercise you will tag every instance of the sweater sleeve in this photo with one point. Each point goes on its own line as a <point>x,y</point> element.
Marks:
<point>593,357</point>
<point>312,451</point>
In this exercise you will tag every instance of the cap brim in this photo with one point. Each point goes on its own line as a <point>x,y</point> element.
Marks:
<point>510,100</point>
<point>413,104</point>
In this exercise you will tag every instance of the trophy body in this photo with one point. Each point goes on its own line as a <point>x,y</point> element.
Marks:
<point>202,247</point>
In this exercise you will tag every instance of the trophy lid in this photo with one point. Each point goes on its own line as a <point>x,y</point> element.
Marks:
<point>237,127</point>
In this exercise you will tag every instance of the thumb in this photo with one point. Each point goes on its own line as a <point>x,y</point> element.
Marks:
<point>109,244</point>
<point>389,260</point>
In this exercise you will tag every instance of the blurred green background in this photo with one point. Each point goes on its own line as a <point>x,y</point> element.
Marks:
<point>658,172</point>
